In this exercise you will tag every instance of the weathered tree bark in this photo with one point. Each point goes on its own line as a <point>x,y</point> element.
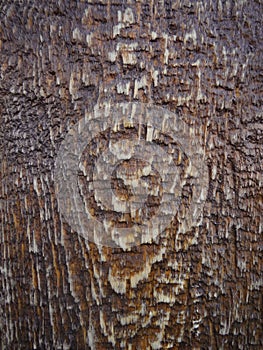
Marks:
<point>200,59</point>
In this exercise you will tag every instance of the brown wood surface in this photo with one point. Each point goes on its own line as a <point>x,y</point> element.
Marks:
<point>200,59</point>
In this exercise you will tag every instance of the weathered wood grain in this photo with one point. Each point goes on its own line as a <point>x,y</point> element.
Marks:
<point>201,59</point>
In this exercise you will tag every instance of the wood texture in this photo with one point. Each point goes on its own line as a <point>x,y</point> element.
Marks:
<point>201,59</point>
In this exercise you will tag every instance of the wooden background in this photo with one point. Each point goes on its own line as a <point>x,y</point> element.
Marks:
<point>201,59</point>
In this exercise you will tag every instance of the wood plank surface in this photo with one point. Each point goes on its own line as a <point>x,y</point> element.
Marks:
<point>199,289</point>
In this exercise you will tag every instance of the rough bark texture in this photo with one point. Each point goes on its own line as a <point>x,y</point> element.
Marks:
<point>201,59</point>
